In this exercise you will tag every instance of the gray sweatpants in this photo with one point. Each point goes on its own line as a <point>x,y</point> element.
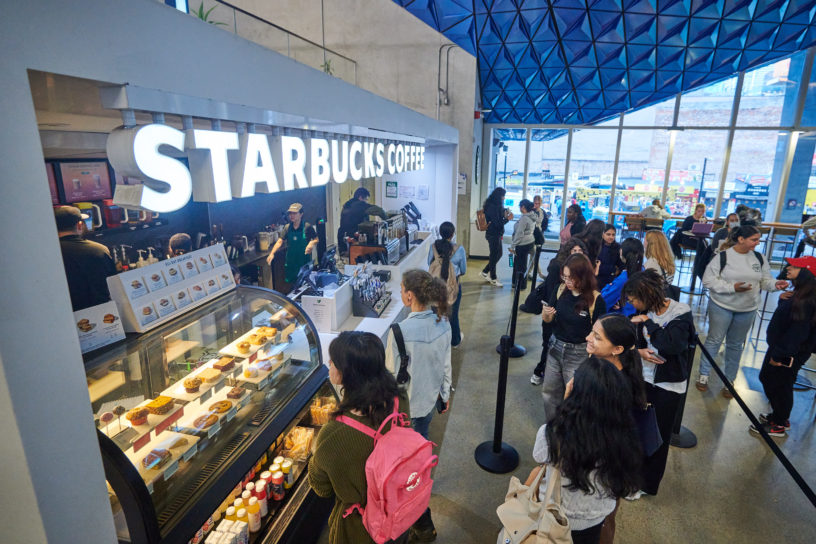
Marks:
<point>563,360</point>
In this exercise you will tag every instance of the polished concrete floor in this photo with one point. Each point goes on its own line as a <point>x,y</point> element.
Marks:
<point>729,488</point>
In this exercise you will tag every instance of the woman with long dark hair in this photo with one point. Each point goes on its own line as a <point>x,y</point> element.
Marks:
<point>631,252</point>
<point>735,278</point>
<point>496,217</point>
<point>545,291</point>
<point>337,468</point>
<point>609,260</point>
<point>572,310</point>
<point>450,254</point>
<point>592,440</point>
<point>614,339</point>
<point>592,236</point>
<point>665,332</point>
<point>790,336</point>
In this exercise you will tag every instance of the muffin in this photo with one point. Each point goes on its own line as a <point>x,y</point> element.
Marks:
<point>191,385</point>
<point>243,347</point>
<point>258,340</point>
<point>137,416</point>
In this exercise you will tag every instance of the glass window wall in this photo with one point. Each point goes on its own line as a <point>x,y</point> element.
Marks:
<point>709,106</point>
<point>548,161</point>
<point>695,170</point>
<point>592,164</point>
<point>641,169</point>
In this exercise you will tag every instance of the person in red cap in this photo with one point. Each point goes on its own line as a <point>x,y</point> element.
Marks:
<point>791,337</point>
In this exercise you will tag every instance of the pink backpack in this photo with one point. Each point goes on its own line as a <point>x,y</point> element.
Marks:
<point>398,477</point>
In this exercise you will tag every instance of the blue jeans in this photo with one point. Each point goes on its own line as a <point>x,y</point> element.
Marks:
<point>563,360</point>
<point>732,327</point>
<point>421,424</point>
<point>456,332</point>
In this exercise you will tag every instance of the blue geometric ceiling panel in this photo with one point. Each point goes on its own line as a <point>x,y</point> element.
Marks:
<point>583,61</point>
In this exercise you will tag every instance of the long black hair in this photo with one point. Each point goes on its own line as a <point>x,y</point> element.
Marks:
<point>496,197</point>
<point>621,332</point>
<point>592,236</point>
<point>566,249</point>
<point>368,386</point>
<point>444,246</point>
<point>632,250</point>
<point>593,430</point>
<point>804,296</point>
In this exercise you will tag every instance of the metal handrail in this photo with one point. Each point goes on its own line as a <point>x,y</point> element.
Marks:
<point>270,23</point>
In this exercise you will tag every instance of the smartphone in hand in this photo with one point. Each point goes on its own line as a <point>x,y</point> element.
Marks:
<point>441,405</point>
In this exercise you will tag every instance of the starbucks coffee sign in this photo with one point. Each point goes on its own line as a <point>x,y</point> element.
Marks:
<point>227,165</point>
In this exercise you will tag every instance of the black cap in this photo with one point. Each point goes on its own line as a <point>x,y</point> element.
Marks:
<point>67,217</point>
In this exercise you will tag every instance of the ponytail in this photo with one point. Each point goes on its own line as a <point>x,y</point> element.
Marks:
<point>743,231</point>
<point>427,290</point>
<point>445,251</point>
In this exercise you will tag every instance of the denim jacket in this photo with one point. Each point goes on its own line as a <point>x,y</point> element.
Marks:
<point>428,344</point>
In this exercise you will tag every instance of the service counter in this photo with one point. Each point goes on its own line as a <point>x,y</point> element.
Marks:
<point>417,257</point>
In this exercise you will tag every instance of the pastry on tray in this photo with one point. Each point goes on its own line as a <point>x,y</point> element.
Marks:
<point>250,372</point>
<point>236,393</point>
<point>179,442</point>
<point>224,363</point>
<point>156,458</point>
<point>220,407</point>
<point>207,420</point>
<point>160,405</point>
<point>264,365</point>
<point>243,347</point>
<point>210,375</point>
<point>138,416</point>
<point>191,385</point>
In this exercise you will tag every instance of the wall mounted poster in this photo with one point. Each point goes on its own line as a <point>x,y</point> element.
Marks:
<point>407,191</point>
<point>390,189</point>
<point>423,191</point>
<point>85,181</point>
<point>52,183</point>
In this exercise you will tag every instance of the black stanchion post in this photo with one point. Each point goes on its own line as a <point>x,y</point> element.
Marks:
<point>516,350</point>
<point>682,437</point>
<point>495,456</point>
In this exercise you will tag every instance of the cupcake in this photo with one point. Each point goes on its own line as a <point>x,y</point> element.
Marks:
<point>191,385</point>
<point>243,347</point>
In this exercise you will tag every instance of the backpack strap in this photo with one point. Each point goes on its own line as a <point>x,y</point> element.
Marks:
<point>402,375</point>
<point>758,255</point>
<point>560,291</point>
<point>354,424</point>
<point>594,301</point>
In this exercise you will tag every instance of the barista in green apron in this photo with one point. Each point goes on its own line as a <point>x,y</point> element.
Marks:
<point>299,238</point>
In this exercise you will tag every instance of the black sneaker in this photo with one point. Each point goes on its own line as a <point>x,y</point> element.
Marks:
<point>764,418</point>
<point>770,428</point>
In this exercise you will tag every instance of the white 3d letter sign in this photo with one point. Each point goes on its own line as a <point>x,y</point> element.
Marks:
<point>224,165</point>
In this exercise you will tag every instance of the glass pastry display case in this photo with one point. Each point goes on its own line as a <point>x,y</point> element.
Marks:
<point>205,423</point>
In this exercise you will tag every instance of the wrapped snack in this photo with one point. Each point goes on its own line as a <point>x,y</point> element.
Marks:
<point>298,442</point>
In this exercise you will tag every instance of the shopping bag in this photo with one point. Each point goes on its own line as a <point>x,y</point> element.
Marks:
<point>528,520</point>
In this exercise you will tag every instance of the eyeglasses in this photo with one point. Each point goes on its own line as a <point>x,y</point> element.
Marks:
<point>565,278</point>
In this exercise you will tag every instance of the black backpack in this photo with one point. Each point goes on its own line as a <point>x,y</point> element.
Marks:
<point>723,260</point>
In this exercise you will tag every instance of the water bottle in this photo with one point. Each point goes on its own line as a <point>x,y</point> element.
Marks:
<point>511,260</point>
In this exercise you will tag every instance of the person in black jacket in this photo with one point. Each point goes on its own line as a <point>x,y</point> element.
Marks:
<point>609,260</point>
<point>545,292</point>
<point>354,212</point>
<point>790,338</point>
<point>592,237</point>
<point>496,217</point>
<point>688,222</point>
<point>665,332</point>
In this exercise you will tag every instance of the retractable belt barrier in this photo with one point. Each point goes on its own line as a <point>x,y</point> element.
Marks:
<point>765,436</point>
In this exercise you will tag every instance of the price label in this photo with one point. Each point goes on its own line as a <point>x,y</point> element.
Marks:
<point>245,401</point>
<point>231,414</point>
<point>169,471</point>
<point>218,387</point>
<point>237,372</point>
<point>161,427</point>
<point>150,488</point>
<point>206,395</point>
<point>189,453</point>
<point>141,442</point>
<point>214,429</point>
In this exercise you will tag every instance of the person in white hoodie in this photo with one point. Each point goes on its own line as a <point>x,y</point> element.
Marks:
<point>734,291</point>
<point>655,211</point>
<point>523,241</point>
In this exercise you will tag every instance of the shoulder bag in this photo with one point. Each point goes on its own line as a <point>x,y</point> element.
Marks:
<point>402,376</point>
<point>527,520</point>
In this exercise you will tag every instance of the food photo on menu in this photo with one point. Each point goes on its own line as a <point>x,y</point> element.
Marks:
<point>156,281</point>
<point>173,274</point>
<point>146,314</point>
<point>136,288</point>
<point>165,306</point>
<point>198,291</point>
<point>188,268</point>
<point>212,285</point>
<point>203,262</point>
<point>183,298</point>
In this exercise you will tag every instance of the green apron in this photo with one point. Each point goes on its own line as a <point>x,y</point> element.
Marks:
<point>296,243</point>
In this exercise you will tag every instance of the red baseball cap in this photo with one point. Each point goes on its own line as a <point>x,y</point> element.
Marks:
<point>808,263</point>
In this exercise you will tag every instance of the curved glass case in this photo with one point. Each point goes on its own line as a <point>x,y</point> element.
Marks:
<point>187,410</point>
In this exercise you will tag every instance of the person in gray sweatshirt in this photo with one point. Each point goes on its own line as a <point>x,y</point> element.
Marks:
<point>734,291</point>
<point>523,241</point>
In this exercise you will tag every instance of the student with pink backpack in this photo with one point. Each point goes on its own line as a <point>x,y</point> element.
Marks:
<point>367,456</point>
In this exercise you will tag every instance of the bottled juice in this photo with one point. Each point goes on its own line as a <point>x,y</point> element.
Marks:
<point>254,514</point>
<point>231,514</point>
<point>260,494</point>
<point>242,515</point>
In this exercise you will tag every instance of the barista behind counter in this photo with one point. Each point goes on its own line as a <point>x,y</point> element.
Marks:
<point>299,238</point>
<point>87,264</point>
<point>354,212</point>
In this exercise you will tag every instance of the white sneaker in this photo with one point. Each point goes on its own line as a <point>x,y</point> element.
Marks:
<point>496,283</point>
<point>535,379</point>
<point>636,496</point>
<point>484,276</point>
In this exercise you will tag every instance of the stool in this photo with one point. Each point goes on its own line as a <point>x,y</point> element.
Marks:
<point>634,223</point>
<point>788,244</point>
<point>652,223</point>
<point>762,318</point>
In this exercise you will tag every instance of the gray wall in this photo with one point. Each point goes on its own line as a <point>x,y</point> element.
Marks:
<point>50,456</point>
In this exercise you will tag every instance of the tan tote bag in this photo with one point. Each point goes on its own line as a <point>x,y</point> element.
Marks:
<point>528,520</point>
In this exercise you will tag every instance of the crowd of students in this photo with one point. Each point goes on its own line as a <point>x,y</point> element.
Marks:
<point>615,364</point>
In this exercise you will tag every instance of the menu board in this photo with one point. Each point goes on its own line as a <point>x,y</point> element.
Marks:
<point>52,183</point>
<point>85,181</point>
<point>147,298</point>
